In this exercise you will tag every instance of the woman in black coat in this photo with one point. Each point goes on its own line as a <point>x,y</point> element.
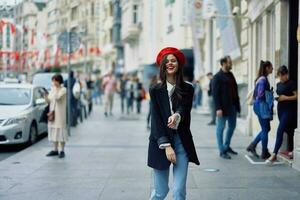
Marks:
<point>171,140</point>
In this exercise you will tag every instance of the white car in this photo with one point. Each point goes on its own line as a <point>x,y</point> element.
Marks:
<point>21,106</point>
<point>45,79</point>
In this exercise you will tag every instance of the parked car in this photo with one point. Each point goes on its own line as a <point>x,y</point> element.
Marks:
<point>44,79</point>
<point>21,106</point>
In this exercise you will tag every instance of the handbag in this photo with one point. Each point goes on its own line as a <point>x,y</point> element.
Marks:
<point>44,115</point>
<point>266,107</point>
<point>51,114</point>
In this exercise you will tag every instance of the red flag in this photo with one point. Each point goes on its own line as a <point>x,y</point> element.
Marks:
<point>98,52</point>
<point>81,51</point>
<point>12,29</point>
<point>15,55</point>
<point>2,23</point>
<point>56,60</point>
<point>91,50</point>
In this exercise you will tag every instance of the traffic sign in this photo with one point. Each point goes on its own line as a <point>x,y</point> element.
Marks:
<point>63,42</point>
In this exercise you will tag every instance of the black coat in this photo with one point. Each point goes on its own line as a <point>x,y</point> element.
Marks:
<point>160,133</point>
<point>223,87</point>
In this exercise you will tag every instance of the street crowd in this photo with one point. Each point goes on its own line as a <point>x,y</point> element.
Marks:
<point>171,101</point>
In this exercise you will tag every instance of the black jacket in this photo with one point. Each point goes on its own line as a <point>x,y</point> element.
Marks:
<point>160,133</point>
<point>225,92</point>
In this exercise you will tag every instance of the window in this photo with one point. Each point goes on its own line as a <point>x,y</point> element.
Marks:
<point>135,14</point>
<point>92,9</point>
<point>74,13</point>
<point>38,94</point>
<point>259,35</point>
<point>110,9</point>
<point>111,35</point>
<point>271,45</point>
<point>169,2</point>
<point>8,36</point>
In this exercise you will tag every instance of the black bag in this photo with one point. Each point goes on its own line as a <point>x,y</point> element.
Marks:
<point>44,117</point>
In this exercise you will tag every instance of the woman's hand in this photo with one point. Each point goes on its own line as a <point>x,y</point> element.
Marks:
<point>282,98</point>
<point>46,94</point>
<point>172,121</point>
<point>219,113</point>
<point>171,156</point>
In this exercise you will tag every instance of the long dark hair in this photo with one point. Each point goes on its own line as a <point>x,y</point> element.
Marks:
<point>282,70</point>
<point>179,87</point>
<point>263,69</point>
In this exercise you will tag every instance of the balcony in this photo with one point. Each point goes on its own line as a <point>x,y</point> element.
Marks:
<point>131,33</point>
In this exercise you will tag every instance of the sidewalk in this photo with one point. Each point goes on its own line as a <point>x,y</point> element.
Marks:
<point>106,160</point>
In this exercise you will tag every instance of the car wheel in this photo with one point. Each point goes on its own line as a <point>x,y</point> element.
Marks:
<point>32,134</point>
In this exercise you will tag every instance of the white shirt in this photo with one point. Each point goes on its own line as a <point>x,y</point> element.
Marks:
<point>171,89</point>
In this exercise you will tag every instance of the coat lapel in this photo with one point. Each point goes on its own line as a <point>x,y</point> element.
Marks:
<point>165,101</point>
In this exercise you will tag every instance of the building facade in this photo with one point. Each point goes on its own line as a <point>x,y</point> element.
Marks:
<point>6,40</point>
<point>265,30</point>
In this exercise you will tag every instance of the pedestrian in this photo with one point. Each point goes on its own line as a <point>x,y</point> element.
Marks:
<point>97,91</point>
<point>57,133</point>
<point>90,87</point>
<point>211,100</point>
<point>138,94</point>
<point>197,94</point>
<point>152,83</point>
<point>130,95</point>
<point>170,139</point>
<point>110,86</point>
<point>227,105</point>
<point>122,91</point>
<point>263,108</point>
<point>287,111</point>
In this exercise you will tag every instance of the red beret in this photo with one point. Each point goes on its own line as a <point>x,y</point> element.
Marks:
<point>170,50</point>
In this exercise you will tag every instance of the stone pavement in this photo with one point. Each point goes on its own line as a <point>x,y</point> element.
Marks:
<point>106,160</point>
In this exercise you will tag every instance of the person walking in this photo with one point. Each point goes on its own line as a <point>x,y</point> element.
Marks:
<point>170,139</point>
<point>122,91</point>
<point>130,95</point>
<point>287,111</point>
<point>138,94</point>
<point>227,105</point>
<point>197,94</point>
<point>57,133</point>
<point>263,108</point>
<point>211,100</point>
<point>110,86</point>
<point>90,87</point>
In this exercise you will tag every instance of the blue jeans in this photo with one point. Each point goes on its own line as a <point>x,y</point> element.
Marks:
<point>284,126</point>
<point>265,128</point>
<point>221,122</point>
<point>180,169</point>
<point>263,134</point>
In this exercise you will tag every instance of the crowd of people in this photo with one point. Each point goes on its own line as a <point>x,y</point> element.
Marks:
<point>171,101</point>
<point>224,102</point>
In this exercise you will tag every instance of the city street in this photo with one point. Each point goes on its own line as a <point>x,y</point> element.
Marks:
<point>106,160</point>
<point>9,150</point>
